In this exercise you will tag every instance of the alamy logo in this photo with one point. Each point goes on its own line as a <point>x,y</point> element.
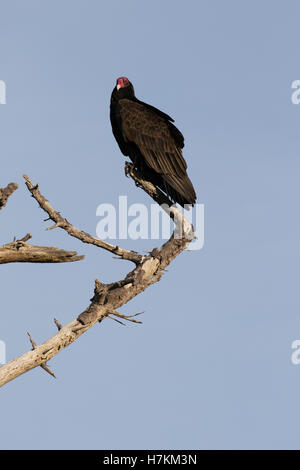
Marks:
<point>2,352</point>
<point>2,92</point>
<point>295,357</point>
<point>296,94</point>
<point>138,221</point>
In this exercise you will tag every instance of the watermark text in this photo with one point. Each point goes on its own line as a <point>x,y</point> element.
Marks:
<point>2,92</point>
<point>138,221</point>
<point>2,352</point>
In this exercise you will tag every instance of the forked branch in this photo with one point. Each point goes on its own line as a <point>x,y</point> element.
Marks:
<point>107,297</point>
<point>18,251</point>
<point>64,224</point>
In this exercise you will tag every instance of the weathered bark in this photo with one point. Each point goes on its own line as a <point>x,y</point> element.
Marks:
<point>21,252</point>
<point>6,192</point>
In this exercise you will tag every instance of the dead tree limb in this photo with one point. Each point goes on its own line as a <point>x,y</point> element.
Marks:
<point>18,251</point>
<point>107,297</point>
<point>6,192</point>
<point>64,224</point>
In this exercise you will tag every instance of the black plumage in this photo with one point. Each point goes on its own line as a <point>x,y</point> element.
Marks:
<point>149,137</point>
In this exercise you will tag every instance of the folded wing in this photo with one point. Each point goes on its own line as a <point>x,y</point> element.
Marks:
<point>159,143</point>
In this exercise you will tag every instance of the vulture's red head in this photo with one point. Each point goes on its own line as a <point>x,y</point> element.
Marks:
<point>123,89</point>
<point>122,82</point>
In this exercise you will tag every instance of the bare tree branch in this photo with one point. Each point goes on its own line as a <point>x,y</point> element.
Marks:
<point>85,237</point>
<point>6,192</point>
<point>43,366</point>
<point>18,251</point>
<point>107,297</point>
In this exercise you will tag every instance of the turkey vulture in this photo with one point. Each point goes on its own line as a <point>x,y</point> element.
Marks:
<point>152,142</point>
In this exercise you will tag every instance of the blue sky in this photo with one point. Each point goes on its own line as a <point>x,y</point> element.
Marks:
<point>211,365</point>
